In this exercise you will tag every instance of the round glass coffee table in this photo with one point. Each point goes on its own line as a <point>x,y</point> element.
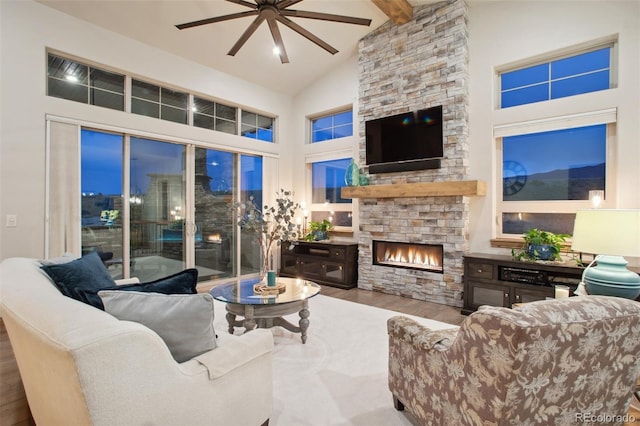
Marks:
<point>246,299</point>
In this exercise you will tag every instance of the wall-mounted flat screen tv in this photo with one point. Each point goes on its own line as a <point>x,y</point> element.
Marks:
<point>408,141</point>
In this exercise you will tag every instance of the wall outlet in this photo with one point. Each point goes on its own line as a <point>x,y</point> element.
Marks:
<point>12,221</point>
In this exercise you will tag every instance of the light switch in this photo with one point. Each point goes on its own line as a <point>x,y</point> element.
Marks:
<point>12,221</point>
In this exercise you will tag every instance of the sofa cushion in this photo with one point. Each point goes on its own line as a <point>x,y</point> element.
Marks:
<point>183,282</point>
<point>85,273</point>
<point>183,321</point>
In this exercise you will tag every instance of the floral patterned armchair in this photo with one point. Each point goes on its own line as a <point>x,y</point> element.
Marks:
<point>564,361</point>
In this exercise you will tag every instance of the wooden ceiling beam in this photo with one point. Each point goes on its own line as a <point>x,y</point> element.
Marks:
<point>399,11</point>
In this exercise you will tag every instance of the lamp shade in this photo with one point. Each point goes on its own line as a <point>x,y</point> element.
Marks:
<point>609,232</point>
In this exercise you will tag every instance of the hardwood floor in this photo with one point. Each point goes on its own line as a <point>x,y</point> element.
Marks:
<point>404,305</point>
<point>14,410</point>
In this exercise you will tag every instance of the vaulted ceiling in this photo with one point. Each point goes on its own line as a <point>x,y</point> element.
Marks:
<point>154,23</point>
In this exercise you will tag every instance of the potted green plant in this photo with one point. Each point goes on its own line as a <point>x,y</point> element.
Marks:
<point>541,245</point>
<point>318,230</point>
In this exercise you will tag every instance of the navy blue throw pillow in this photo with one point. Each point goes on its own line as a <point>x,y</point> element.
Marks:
<point>85,273</point>
<point>184,282</point>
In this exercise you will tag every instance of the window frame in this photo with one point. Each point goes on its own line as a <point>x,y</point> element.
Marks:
<point>607,117</point>
<point>575,50</point>
<point>331,113</point>
<point>553,114</point>
<point>330,208</point>
<point>188,109</point>
<point>88,84</point>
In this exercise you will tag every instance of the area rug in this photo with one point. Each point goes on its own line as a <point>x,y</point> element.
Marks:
<point>339,377</point>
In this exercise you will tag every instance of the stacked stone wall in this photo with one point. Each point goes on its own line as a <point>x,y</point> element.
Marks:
<point>421,64</point>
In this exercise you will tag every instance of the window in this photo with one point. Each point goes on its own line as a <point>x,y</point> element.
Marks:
<point>158,102</point>
<point>257,126</point>
<point>576,167</point>
<point>214,116</point>
<point>178,206</point>
<point>78,82</point>
<point>549,165</point>
<point>559,165</point>
<point>586,72</point>
<point>75,81</point>
<point>327,177</point>
<point>332,126</point>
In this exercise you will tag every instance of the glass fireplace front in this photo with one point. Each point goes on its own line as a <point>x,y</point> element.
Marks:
<point>427,257</point>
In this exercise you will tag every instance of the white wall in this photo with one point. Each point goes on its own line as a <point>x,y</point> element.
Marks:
<point>503,32</point>
<point>27,29</point>
<point>335,90</point>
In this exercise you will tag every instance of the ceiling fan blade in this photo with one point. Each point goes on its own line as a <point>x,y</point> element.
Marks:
<point>244,3</point>
<point>286,3</point>
<point>277,39</point>
<point>297,28</point>
<point>326,17</point>
<point>245,36</point>
<point>217,19</point>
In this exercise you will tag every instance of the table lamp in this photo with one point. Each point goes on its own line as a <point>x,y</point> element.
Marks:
<point>609,234</point>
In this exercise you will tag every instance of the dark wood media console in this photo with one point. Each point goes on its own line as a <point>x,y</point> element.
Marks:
<point>329,263</point>
<point>502,281</point>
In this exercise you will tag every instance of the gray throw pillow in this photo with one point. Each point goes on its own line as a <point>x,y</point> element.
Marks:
<point>183,321</point>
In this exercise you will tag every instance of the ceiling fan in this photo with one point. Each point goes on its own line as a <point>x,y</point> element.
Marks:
<point>274,11</point>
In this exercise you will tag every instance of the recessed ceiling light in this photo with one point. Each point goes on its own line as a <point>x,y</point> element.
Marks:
<point>276,50</point>
<point>71,77</point>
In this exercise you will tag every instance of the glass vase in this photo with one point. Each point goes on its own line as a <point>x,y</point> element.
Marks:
<point>265,262</point>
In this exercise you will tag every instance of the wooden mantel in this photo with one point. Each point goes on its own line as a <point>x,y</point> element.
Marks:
<point>420,189</point>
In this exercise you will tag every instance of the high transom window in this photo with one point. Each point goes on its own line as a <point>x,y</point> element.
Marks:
<point>214,116</point>
<point>74,81</point>
<point>583,73</point>
<point>158,102</point>
<point>256,126</point>
<point>332,126</point>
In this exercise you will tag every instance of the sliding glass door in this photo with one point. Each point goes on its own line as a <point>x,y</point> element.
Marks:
<point>101,201</point>
<point>157,208</point>
<point>215,240</point>
<point>250,189</point>
<point>179,207</point>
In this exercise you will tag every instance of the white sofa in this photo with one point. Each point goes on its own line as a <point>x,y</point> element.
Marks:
<point>82,366</point>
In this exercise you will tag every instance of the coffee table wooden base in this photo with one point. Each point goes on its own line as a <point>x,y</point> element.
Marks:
<point>267,316</point>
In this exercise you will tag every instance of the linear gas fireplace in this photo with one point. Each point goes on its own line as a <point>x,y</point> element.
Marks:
<point>427,257</point>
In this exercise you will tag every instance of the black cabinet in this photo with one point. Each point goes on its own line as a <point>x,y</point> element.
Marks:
<point>502,281</point>
<point>329,263</point>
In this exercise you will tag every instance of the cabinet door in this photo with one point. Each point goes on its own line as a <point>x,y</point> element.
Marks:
<point>289,265</point>
<point>311,268</point>
<point>487,294</point>
<point>522,295</point>
<point>334,272</point>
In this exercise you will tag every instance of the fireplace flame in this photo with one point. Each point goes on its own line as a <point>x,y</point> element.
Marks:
<point>414,256</point>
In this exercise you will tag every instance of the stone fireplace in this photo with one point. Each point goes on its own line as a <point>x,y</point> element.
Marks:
<point>420,64</point>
